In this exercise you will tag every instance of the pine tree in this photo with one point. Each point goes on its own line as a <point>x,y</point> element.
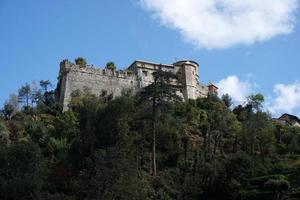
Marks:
<point>160,93</point>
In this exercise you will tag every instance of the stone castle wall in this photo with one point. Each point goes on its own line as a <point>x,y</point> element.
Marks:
<point>95,81</point>
<point>138,75</point>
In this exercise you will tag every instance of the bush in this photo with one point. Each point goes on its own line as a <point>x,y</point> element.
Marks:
<point>22,171</point>
<point>260,181</point>
<point>111,65</point>
<point>80,61</point>
<point>277,185</point>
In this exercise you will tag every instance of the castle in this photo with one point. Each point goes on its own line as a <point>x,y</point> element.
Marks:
<point>138,75</point>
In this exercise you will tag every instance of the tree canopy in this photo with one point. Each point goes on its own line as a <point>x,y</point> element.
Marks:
<point>80,61</point>
<point>149,146</point>
<point>110,65</point>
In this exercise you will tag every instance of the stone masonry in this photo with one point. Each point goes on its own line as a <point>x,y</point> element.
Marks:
<point>138,75</point>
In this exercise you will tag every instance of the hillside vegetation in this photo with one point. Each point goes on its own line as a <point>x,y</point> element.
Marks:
<point>145,146</point>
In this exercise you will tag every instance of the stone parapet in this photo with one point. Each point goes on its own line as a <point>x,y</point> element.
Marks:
<point>139,74</point>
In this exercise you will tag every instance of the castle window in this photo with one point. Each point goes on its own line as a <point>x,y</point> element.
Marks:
<point>145,73</point>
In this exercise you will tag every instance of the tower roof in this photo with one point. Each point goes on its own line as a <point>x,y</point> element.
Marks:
<point>186,61</point>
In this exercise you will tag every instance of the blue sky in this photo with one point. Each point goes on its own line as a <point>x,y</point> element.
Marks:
<point>36,35</point>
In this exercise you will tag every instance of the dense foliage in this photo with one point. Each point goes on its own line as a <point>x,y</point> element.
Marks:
<point>102,148</point>
<point>80,61</point>
<point>110,65</point>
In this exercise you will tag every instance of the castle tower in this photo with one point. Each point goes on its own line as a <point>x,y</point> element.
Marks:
<point>63,86</point>
<point>190,77</point>
<point>88,79</point>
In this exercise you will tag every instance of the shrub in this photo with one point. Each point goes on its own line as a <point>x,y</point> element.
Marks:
<point>111,65</point>
<point>80,61</point>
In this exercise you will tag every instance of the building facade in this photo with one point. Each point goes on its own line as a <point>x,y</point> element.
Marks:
<point>138,75</point>
<point>288,120</point>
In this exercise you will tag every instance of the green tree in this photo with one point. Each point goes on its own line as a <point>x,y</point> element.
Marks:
<point>8,110</point>
<point>13,100</point>
<point>25,94</point>
<point>45,85</point>
<point>22,171</point>
<point>103,147</point>
<point>114,177</point>
<point>266,139</point>
<point>159,93</point>
<point>277,187</point>
<point>111,65</point>
<point>80,61</point>
<point>227,100</point>
<point>256,101</point>
<point>3,133</point>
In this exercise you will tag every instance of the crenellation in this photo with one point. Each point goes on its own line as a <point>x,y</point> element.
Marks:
<point>138,75</point>
<point>67,67</point>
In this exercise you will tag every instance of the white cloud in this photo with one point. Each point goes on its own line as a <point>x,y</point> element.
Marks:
<point>287,98</point>
<point>237,89</point>
<point>225,23</point>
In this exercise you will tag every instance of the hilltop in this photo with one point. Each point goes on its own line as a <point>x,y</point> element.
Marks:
<point>147,145</point>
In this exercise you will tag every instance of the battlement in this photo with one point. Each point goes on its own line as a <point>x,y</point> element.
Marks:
<point>138,75</point>
<point>67,66</point>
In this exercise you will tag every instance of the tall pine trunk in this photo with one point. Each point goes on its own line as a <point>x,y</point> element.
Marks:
<point>153,160</point>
